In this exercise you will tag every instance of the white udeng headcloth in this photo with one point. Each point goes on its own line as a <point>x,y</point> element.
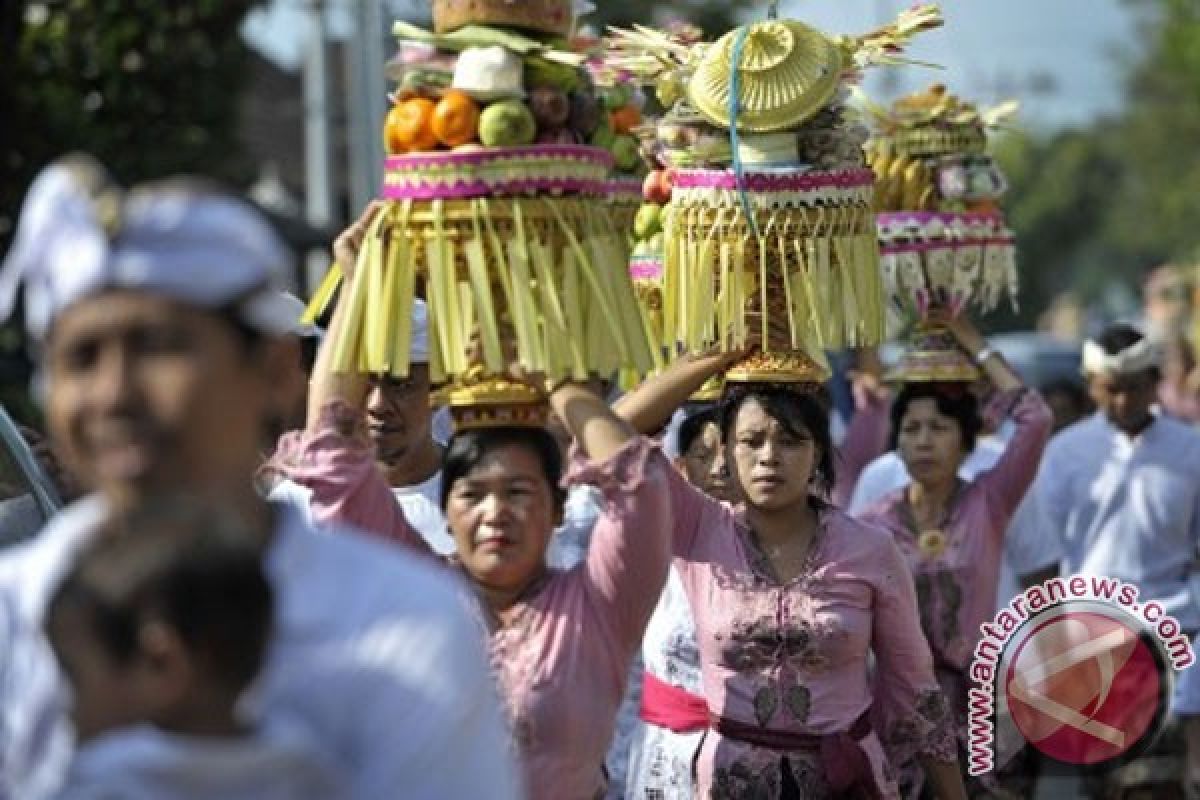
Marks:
<point>79,235</point>
<point>1139,356</point>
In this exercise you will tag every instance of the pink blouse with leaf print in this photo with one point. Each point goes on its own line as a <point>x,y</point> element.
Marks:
<point>562,661</point>
<point>793,657</point>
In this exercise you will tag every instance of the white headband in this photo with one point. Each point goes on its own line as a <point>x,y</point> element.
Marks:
<point>78,236</point>
<point>1138,357</point>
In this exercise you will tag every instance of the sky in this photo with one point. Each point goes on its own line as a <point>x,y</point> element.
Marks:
<point>1059,58</point>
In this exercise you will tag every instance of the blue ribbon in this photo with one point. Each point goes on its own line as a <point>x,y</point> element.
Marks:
<point>739,44</point>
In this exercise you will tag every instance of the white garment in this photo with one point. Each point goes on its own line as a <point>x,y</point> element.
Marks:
<point>374,652</point>
<point>1128,508</point>
<point>660,760</point>
<point>1029,545</point>
<point>144,763</point>
<point>421,503</point>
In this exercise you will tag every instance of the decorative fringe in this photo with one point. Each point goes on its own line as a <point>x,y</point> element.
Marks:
<point>885,46</point>
<point>546,274</point>
<point>951,277</point>
<point>808,281</point>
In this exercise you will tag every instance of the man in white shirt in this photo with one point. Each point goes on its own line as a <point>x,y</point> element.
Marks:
<point>400,424</point>
<point>162,373</point>
<point>1122,488</point>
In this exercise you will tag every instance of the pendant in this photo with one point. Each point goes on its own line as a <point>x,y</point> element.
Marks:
<point>932,543</point>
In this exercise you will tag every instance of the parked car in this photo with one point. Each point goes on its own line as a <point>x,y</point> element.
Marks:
<point>27,495</point>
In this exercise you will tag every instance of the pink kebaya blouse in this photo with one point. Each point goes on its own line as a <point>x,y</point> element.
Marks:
<point>792,658</point>
<point>562,660</point>
<point>956,577</point>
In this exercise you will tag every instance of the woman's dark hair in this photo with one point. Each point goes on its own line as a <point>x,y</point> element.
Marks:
<point>800,414</point>
<point>692,426</point>
<point>952,400</point>
<point>195,568</point>
<point>467,449</point>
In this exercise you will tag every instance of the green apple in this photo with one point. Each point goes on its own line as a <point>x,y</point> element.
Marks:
<point>648,221</point>
<point>617,97</point>
<point>627,152</point>
<point>508,123</point>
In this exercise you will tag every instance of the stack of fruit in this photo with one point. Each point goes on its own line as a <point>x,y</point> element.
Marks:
<point>769,229</point>
<point>944,241</point>
<point>496,209</point>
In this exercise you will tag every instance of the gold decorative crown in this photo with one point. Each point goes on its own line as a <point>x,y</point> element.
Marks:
<point>792,369</point>
<point>492,401</point>
<point>933,356</point>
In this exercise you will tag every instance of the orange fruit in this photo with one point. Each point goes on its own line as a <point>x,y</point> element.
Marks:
<point>626,118</point>
<point>409,126</point>
<point>456,118</point>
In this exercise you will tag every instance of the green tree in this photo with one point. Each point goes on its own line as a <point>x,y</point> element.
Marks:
<point>1106,203</point>
<point>149,87</point>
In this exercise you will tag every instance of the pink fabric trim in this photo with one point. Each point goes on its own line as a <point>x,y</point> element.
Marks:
<point>461,190</point>
<point>574,152</point>
<point>773,182</point>
<point>671,707</point>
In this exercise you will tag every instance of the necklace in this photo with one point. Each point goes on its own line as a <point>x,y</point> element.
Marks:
<point>932,540</point>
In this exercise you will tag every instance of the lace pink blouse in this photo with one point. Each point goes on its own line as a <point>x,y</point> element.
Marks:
<point>562,661</point>
<point>793,657</point>
<point>956,578</point>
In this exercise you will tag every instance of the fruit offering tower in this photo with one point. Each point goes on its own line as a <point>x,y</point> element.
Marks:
<point>944,242</point>
<point>769,232</point>
<point>496,208</point>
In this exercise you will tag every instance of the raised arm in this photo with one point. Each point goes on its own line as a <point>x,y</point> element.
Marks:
<point>866,438</point>
<point>649,407</point>
<point>333,457</point>
<point>1011,476</point>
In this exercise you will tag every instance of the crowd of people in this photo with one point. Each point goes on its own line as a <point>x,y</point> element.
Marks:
<point>638,595</point>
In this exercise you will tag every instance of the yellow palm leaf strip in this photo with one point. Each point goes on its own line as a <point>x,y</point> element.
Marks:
<point>573,311</point>
<point>466,304</point>
<point>347,350</point>
<point>563,356</point>
<point>763,291</point>
<point>395,254</point>
<point>843,250</point>
<point>610,259</point>
<point>867,262</point>
<point>444,316</point>
<point>725,298</point>
<point>706,277</point>
<point>794,280</point>
<point>589,274</point>
<point>320,300</point>
<point>398,291</point>
<point>500,271</point>
<point>741,293</point>
<point>785,274</point>
<point>807,285</point>
<point>376,313</point>
<point>481,287</point>
<point>673,230</point>
<point>526,319</point>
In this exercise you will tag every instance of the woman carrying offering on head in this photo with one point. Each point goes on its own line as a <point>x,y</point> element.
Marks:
<point>951,531</point>
<point>560,640</point>
<point>789,594</point>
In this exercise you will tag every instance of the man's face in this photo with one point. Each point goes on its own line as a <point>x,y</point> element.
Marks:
<point>1125,399</point>
<point>399,417</point>
<point>148,394</point>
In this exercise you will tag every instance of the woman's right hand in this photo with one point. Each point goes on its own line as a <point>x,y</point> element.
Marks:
<point>348,244</point>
